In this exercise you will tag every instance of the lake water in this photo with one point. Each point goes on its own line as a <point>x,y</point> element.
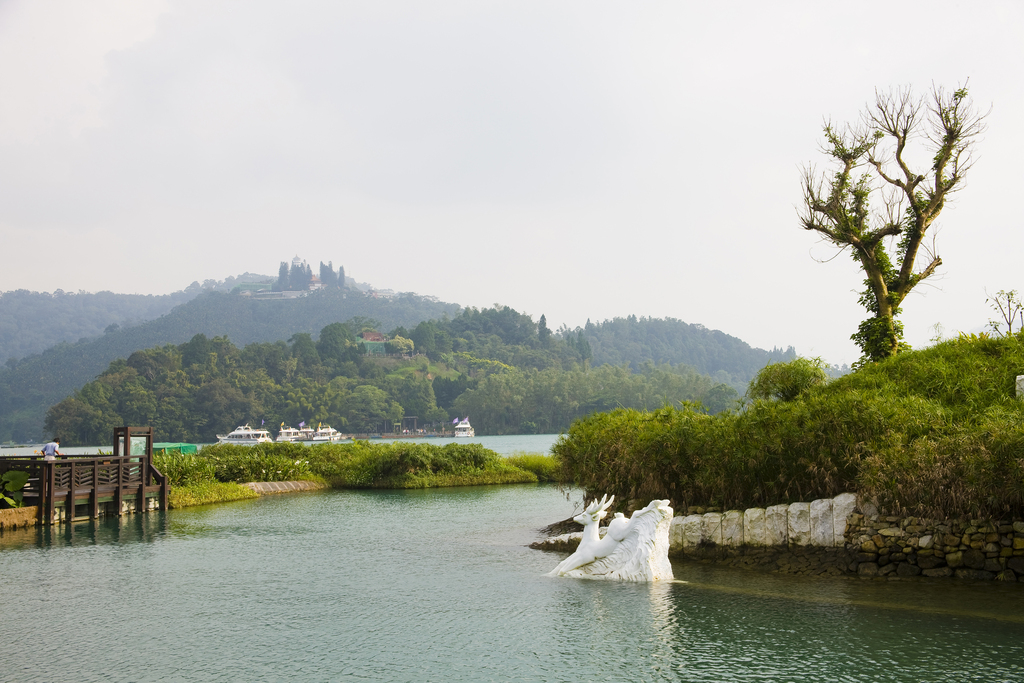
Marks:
<point>503,445</point>
<point>438,585</point>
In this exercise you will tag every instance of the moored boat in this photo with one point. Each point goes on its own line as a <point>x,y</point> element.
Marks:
<point>288,434</point>
<point>325,433</point>
<point>464,429</point>
<point>245,436</point>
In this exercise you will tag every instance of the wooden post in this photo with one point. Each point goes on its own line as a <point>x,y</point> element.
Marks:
<point>94,498</point>
<point>69,504</point>
<point>119,491</point>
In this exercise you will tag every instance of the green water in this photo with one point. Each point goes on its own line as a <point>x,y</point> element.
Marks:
<point>439,586</point>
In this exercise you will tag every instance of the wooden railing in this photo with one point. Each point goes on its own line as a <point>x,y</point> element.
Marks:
<point>74,480</point>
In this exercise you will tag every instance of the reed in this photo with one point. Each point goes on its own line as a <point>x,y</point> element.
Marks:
<point>546,467</point>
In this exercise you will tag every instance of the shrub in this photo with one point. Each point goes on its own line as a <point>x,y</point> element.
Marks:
<point>786,381</point>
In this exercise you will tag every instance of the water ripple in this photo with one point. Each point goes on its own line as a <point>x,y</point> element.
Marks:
<point>439,586</point>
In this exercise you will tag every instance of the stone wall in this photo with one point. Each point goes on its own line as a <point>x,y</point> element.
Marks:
<point>267,487</point>
<point>910,546</point>
<point>821,523</point>
<point>837,536</point>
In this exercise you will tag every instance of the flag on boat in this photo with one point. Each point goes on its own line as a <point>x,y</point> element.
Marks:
<point>455,421</point>
<point>302,424</point>
<point>262,422</point>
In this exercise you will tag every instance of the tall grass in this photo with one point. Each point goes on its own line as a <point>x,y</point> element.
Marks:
<point>207,492</point>
<point>544,466</point>
<point>412,465</point>
<point>934,432</point>
<point>356,465</point>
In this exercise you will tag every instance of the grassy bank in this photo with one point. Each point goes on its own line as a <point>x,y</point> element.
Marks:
<point>933,432</point>
<point>217,470</point>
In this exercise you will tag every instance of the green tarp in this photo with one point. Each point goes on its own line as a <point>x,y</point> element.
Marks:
<point>180,447</point>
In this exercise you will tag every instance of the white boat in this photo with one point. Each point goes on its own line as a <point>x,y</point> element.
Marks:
<point>325,434</point>
<point>463,429</point>
<point>306,434</point>
<point>246,436</point>
<point>288,434</point>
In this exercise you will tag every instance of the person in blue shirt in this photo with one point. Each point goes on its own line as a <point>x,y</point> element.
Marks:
<point>50,451</point>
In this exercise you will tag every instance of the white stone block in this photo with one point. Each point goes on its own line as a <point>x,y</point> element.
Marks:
<point>799,523</point>
<point>754,527</point>
<point>776,525</point>
<point>732,528</point>
<point>1020,386</point>
<point>711,528</point>
<point>843,506</point>
<point>822,534</point>
<point>692,530</point>
<point>675,534</point>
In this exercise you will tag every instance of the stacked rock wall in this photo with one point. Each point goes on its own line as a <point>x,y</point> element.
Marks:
<point>910,546</point>
<point>836,536</point>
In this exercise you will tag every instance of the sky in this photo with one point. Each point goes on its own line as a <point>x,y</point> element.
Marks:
<point>581,160</point>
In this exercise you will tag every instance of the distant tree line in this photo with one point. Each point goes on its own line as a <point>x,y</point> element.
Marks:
<point>493,365</point>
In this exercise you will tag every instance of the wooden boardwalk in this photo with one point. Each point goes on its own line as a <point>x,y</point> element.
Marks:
<point>125,479</point>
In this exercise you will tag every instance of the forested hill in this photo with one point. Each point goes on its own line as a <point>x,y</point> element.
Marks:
<point>667,340</point>
<point>497,365</point>
<point>29,387</point>
<point>31,322</point>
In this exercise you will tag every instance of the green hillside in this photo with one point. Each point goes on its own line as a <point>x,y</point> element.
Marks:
<point>492,364</point>
<point>636,341</point>
<point>30,386</point>
<point>31,322</point>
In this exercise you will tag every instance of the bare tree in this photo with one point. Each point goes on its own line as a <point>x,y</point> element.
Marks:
<point>1010,309</point>
<point>872,169</point>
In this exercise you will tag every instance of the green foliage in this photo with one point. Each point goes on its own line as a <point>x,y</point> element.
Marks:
<point>12,482</point>
<point>361,464</point>
<point>262,462</point>
<point>185,469</point>
<point>546,467</point>
<point>934,432</point>
<point>409,465</point>
<point>208,492</point>
<point>786,381</point>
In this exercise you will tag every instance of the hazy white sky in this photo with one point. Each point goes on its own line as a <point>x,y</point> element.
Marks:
<point>577,159</point>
